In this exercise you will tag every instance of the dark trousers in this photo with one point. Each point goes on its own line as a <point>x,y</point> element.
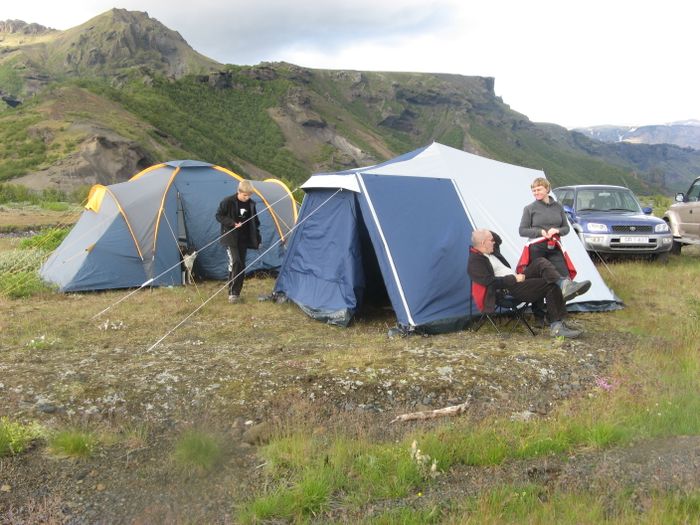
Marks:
<point>236,266</point>
<point>541,285</point>
<point>552,255</point>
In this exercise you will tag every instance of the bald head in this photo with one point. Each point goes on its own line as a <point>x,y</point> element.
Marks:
<point>482,240</point>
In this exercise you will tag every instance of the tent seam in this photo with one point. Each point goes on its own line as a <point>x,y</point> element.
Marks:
<point>126,219</point>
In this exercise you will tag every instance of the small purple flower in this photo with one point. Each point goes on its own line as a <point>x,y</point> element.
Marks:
<point>605,383</point>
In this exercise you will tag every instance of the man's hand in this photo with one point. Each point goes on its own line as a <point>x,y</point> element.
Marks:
<point>519,277</point>
<point>237,225</point>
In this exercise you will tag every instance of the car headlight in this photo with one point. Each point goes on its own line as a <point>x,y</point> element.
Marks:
<point>596,227</point>
<point>660,228</point>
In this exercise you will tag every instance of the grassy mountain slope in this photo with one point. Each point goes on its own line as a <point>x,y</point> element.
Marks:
<point>124,88</point>
<point>66,136</point>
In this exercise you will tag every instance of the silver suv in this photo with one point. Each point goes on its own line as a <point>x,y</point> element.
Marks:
<point>683,217</point>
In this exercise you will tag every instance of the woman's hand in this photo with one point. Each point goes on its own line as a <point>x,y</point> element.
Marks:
<point>548,234</point>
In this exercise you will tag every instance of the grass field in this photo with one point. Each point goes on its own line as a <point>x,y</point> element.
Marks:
<point>253,413</point>
<point>35,217</point>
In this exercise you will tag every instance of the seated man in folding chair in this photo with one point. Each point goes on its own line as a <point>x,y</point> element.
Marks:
<point>538,283</point>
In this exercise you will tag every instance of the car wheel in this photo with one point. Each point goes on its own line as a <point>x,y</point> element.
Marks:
<point>676,247</point>
<point>661,258</point>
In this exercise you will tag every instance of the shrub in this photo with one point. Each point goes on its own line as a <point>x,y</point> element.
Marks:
<point>19,275</point>
<point>55,206</point>
<point>16,437</point>
<point>198,451</point>
<point>21,284</point>
<point>72,443</point>
<point>15,193</point>
<point>51,199</point>
<point>48,239</point>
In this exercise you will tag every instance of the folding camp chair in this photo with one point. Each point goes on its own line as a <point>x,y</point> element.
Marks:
<point>525,258</point>
<point>507,307</point>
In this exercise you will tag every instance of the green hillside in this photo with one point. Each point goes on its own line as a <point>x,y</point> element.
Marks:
<point>111,87</point>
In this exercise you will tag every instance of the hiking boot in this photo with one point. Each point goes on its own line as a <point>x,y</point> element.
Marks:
<point>571,289</point>
<point>559,329</point>
<point>571,326</point>
<point>233,298</point>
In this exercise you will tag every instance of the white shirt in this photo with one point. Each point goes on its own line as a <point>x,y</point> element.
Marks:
<point>499,269</point>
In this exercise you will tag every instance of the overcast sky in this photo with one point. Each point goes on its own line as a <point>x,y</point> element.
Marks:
<point>573,63</point>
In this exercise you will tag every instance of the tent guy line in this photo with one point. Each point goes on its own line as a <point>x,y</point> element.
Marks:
<point>212,242</point>
<point>604,263</point>
<point>217,292</point>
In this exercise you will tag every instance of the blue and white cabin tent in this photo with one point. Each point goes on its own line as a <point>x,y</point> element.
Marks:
<point>132,233</point>
<point>404,227</point>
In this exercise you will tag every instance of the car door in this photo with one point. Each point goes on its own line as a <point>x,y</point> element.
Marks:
<point>689,212</point>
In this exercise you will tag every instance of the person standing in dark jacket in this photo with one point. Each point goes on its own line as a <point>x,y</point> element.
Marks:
<point>239,231</point>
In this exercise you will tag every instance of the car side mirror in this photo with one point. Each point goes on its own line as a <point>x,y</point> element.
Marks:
<point>647,210</point>
<point>680,197</point>
<point>568,209</point>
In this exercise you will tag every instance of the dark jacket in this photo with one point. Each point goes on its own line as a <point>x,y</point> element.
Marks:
<point>485,284</point>
<point>538,216</point>
<point>227,215</point>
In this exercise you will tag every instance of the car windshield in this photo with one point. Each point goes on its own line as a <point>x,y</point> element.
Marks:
<point>607,199</point>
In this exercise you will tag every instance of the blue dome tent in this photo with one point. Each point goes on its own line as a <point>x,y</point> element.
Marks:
<point>133,232</point>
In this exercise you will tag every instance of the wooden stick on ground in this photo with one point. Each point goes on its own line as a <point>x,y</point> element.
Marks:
<point>453,410</point>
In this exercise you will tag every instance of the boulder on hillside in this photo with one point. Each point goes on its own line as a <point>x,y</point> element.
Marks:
<point>99,160</point>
